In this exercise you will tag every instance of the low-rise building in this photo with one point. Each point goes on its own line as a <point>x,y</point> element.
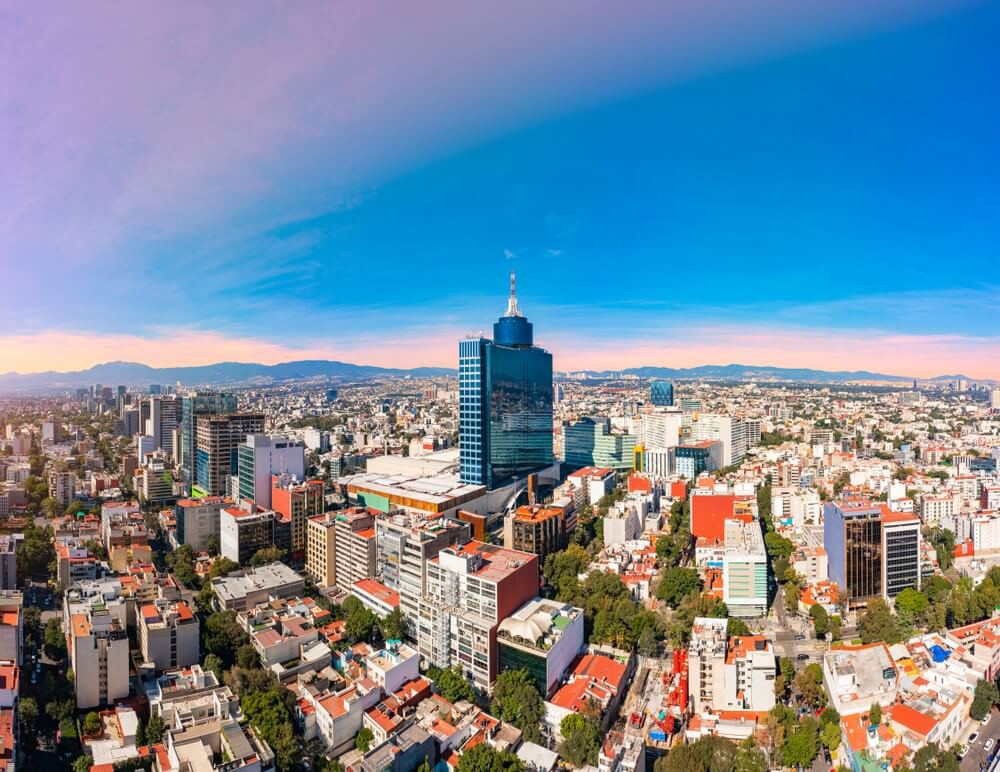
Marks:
<point>245,589</point>
<point>543,637</point>
<point>168,634</point>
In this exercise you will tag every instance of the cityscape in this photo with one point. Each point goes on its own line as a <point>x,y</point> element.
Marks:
<point>468,388</point>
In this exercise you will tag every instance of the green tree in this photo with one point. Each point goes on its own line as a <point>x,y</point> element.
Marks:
<point>269,712</point>
<point>736,627</point>
<point>808,684</point>
<point>154,730</point>
<point>802,745</point>
<point>91,724</point>
<point>516,699</point>
<point>986,696</point>
<point>222,635</point>
<point>830,736</point>
<point>54,642</point>
<point>267,555</point>
<point>485,758</point>
<point>214,663</point>
<point>451,684</point>
<point>676,584</point>
<point>246,657</point>
<point>820,620</point>
<point>58,710</point>
<point>28,714</point>
<point>878,623</point>
<point>222,567</point>
<point>83,763</point>
<point>875,714</point>
<point>581,740</point>
<point>393,626</point>
<point>363,739</point>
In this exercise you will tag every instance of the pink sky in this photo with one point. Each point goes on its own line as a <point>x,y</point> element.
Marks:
<point>917,356</point>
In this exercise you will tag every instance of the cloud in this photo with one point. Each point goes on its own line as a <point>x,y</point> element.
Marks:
<point>509,254</point>
<point>554,252</point>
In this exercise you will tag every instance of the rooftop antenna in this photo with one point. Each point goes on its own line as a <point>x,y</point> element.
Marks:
<point>512,307</point>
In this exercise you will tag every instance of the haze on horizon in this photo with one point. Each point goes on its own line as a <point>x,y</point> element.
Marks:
<point>800,186</point>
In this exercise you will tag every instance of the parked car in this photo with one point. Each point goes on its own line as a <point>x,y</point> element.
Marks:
<point>800,637</point>
<point>803,656</point>
<point>986,719</point>
<point>988,744</point>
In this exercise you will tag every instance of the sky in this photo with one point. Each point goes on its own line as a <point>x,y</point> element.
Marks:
<point>677,184</point>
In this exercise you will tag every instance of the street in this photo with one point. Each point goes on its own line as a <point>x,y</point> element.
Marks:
<point>977,758</point>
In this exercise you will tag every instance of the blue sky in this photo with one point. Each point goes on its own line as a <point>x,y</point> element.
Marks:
<point>826,198</point>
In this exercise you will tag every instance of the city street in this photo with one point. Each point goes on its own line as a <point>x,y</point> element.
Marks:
<point>977,757</point>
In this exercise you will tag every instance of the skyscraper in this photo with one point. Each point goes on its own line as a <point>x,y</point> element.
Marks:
<point>661,393</point>
<point>201,403</point>
<point>505,402</point>
<point>216,452</point>
<point>852,535</point>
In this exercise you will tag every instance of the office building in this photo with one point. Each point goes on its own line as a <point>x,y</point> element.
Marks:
<point>660,430</point>
<point>901,548</point>
<point>693,458</point>
<point>355,546</point>
<point>470,589</point>
<point>252,586</point>
<point>62,486</point>
<point>168,634</point>
<point>536,529</point>
<point>243,533</point>
<point>296,502</point>
<point>259,458</point>
<point>542,637</point>
<point>219,437</point>
<point>731,432</point>
<point>744,569</point>
<point>321,549</point>
<point>661,393</point>
<point>505,402</point>
<point>193,407</point>
<point>405,543</point>
<point>590,442</point>
<point>852,536</point>
<point>51,431</point>
<point>198,522</point>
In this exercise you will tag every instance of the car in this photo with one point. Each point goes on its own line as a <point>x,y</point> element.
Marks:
<point>800,637</point>
<point>986,719</point>
<point>803,656</point>
<point>973,737</point>
<point>988,744</point>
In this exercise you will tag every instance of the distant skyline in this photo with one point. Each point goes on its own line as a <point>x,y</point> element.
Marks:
<point>691,183</point>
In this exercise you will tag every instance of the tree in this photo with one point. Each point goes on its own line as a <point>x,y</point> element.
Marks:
<point>51,507</point>
<point>222,635</point>
<point>830,736</point>
<point>878,623</point>
<point>58,710</point>
<point>246,656</point>
<point>516,700</point>
<point>875,714</point>
<point>222,567</point>
<point>269,713</point>
<point>986,696</point>
<point>91,724</point>
<point>54,642</point>
<point>154,730</point>
<point>363,739</point>
<point>214,663</point>
<point>83,763</point>
<point>820,620</point>
<point>736,626</point>
<point>212,546</point>
<point>809,686</point>
<point>712,754</point>
<point>28,714</point>
<point>485,758</point>
<point>267,555</point>
<point>361,623</point>
<point>676,584</point>
<point>451,684</point>
<point>802,745</point>
<point>393,627</point>
<point>581,740</point>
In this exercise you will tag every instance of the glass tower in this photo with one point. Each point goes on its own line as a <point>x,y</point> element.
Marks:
<point>661,393</point>
<point>194,405</point>
<point>505,402</point>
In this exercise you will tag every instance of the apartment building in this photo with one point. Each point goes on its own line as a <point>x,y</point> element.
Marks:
<point>98,649</point>
<point>242,533</point>
<point>470,589</point>
<point>198,521</point>
<point>321,549</point>
<point>744,569</point>
<point>297,502</point>
<point>355,546</point>
<point>729,673</point>
<point>62,486</point>
<point>901,552</point>
<point>11,626</point>
<point>168,634</point>
<point>8,560</point>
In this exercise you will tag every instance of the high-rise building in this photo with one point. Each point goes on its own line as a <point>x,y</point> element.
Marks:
<point>198,521</point>
<point>168,634</point>
<point>297,502</point>
<point>536,529</point>
<point>852,536</point>
<point>590,442</point>
<point>99,654</point>
<point>321,549</point>
<point>62,486</point>
<point>219,437</point>
<point>505,402</point>
<point>193,407</point>
<point>242,534</point>
<point>661,393</point>
<point>901,548</point>
<point>259,458</point>
<point>729,673</point>
<point>354,544</point>
<point>693,458</point>
<point>744,568</point>
<point>731,432</point>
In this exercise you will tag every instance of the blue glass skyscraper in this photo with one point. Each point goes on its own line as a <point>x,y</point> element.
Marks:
<point>505,402</point>
<point>661,393</point>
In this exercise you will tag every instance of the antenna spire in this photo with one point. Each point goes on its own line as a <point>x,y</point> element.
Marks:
<point>512,307</point>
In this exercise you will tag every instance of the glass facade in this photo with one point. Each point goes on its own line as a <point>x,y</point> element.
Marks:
<point>505,403</point>
<point>661,393</point>
<point>192,406</point>
<point>902,560</point>
<point>863,556</point>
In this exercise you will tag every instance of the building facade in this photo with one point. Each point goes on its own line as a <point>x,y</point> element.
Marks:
<point>193,407</point>
<point>216,455</point>
<point>852,536</point>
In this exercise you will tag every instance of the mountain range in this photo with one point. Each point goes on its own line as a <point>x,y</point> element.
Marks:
<point>136,374</point>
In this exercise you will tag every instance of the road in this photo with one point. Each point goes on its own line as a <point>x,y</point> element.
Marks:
<point>977,758</point>
<point>783,628</point>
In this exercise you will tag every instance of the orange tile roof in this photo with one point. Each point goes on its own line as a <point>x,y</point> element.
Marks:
<point>913,719</point>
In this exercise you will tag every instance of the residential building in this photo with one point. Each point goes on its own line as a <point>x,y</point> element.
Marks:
<point>470,590</point>
<point>191,695</point>
<point>198,521</point>
<point>355,546</point>
<point>731,432</point>
<point>74,564</point>
<point>693,458</point>
<point>286,637</point>
<point>376,597</point>
<point>660,430</point>
<point>168,634</point>
<point>11,627</point>
<point>260,458</point>
<point>321,548</point>
<point>8,560</point>
<point>744,569</point>
<point>297,502</point>
<point>252,586</point>
<point>543,637</point>
<point>62,486</point>
<point>219,437</point>
<point>505,402</point>
<point>393,666</point>
<point>729,673</point>
<point>156,486</point>
<point>98,650</point>
<point>856,677</point>
<point>405,544</point>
